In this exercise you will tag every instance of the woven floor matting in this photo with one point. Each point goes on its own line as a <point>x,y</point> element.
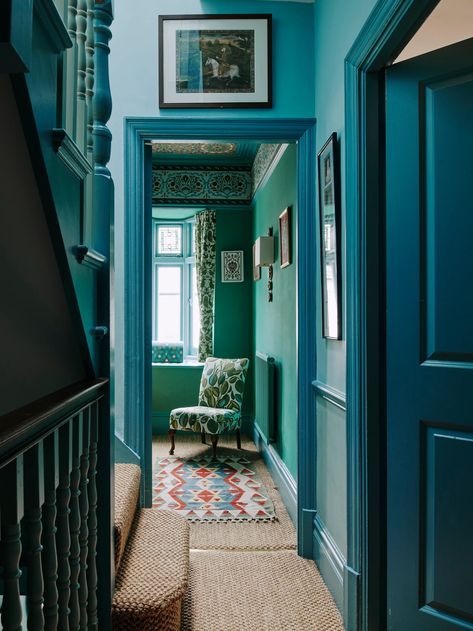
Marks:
<point>153,574</point>
<point>127,491</point>
<point>277,535</point>
<point>257,591</point>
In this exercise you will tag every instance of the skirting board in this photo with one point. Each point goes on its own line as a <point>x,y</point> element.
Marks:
<point>329,560</point>
<point>124,454</point>
<point>280,473</point>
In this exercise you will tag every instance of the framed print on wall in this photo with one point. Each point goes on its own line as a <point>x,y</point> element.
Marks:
<point>215,61</point>
<point>232,266</point>
<point>285,237</point>
<point>329,214</point>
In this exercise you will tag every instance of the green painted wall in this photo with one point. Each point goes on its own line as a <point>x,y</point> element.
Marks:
<point>177,386</point>
<point>275,322</point>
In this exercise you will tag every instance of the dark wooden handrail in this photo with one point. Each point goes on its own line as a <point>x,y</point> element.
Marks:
<point>28,425</point>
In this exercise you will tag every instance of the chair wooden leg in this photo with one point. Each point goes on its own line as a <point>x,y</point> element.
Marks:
<point>238,437</point>
<point>203,438</point>
<point>172,433</point>
<point>214,439</point>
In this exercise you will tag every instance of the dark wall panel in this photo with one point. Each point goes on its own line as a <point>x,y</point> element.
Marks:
<point>38,349</point>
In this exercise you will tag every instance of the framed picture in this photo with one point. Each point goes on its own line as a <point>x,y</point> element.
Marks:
<point>329,212</point>
<point>256,268</point>
<point>215,61</point>
<point>285,237</point>
<point>232,266</point>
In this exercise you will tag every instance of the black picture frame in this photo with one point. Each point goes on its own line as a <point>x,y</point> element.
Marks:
<point>328,169</point>
<point>164,99</point>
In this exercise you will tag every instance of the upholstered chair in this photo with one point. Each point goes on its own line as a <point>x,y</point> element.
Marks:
<point>220,400</point>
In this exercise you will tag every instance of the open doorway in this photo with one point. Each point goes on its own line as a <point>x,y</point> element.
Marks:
<point>223,279</point>
<point>238,233</point>
<point>408,364</point>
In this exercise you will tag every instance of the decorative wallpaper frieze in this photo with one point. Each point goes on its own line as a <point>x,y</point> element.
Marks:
<point>201,185</point>
<point>263,161</point>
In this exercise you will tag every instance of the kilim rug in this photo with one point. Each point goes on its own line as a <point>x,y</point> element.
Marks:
<point>211,489</point>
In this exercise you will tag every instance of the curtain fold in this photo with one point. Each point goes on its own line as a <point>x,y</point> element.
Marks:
<point>205,240</point>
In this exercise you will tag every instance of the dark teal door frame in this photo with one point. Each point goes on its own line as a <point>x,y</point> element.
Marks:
<point>387,30</point>
<point>139,132</point>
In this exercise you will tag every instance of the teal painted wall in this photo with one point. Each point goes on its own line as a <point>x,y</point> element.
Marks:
<point>178,386</point>
<point>275,322</point>
<point>336,25</point>
<point>134,86</point>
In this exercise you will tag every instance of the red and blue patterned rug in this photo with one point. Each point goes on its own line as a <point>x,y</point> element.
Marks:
<point>207,489</point>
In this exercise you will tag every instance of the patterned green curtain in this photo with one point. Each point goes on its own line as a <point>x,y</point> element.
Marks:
<point>205,238</point>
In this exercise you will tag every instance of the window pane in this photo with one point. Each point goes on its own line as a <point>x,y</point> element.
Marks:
<point>169,304</point>
<point>195,311</point>
<point>169,280</point>
<point>170,240</point>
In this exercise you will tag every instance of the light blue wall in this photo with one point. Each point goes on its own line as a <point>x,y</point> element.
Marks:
<point>336,25</point>
<point>134,86</point>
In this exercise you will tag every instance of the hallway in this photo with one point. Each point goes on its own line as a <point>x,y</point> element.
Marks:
<point>247,575</point>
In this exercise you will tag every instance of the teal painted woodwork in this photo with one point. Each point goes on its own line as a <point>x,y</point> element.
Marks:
<point>275,328</point>
<point>138,305</point>
<point>429,222</point>
<point>382,37</point>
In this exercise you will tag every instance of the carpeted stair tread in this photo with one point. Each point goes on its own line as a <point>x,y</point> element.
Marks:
<point>257,591</point>
<point>153,574</point>
<point>127,491</point>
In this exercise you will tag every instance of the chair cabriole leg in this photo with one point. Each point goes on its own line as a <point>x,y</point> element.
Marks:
<point>172,433</point>
<point>214,439</point>
<point>238,437</point>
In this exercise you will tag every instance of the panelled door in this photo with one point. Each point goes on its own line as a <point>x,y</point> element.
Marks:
<point>429,294</point>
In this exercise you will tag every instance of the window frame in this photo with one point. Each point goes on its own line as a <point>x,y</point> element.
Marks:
<point>186,261</point>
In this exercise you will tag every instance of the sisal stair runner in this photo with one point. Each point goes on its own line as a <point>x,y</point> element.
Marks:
<point>151,560</point>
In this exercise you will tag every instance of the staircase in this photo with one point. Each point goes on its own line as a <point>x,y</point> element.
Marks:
<point>151,560</point>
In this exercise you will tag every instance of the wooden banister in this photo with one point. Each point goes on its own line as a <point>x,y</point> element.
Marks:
<point>28,425</point>
<point>48,510</point>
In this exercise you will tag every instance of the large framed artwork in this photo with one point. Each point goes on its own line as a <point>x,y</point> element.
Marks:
<point>215,61</point>
<point>329,213</point>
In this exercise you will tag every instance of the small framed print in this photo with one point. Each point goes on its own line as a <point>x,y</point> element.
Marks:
<point>232,266</point>
<point>329,215</point>
<point>256,268</point>
<point>215,61</point>
<point>285,237</point>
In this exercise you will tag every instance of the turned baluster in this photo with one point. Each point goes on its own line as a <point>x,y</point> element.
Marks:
<point>11,478</point>
<point>75,523</point>
<point>81,36</point>
<point>92,552</point>
<point>102,96</point>
<point>49,556</point>
<point>63,539</point>
<point>84,514</point>
<point>70,82</point>
<point>31,536</point>
<point>89,78</point>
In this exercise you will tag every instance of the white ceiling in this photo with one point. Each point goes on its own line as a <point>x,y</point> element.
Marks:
<point>451,21</point>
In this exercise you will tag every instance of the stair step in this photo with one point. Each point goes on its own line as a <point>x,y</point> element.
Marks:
<point>153,575</point>
<point>127,492</point>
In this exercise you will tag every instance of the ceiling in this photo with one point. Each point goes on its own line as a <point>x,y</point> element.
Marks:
<point>451,21</point>
<point>186,153</point>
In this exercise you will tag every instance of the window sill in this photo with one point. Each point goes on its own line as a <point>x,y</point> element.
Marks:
<point>187,363</point>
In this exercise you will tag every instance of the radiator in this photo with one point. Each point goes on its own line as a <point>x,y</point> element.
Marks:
<point>264,396</point>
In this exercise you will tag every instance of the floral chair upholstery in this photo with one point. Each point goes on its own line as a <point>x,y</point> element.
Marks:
<point>220,400</point>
